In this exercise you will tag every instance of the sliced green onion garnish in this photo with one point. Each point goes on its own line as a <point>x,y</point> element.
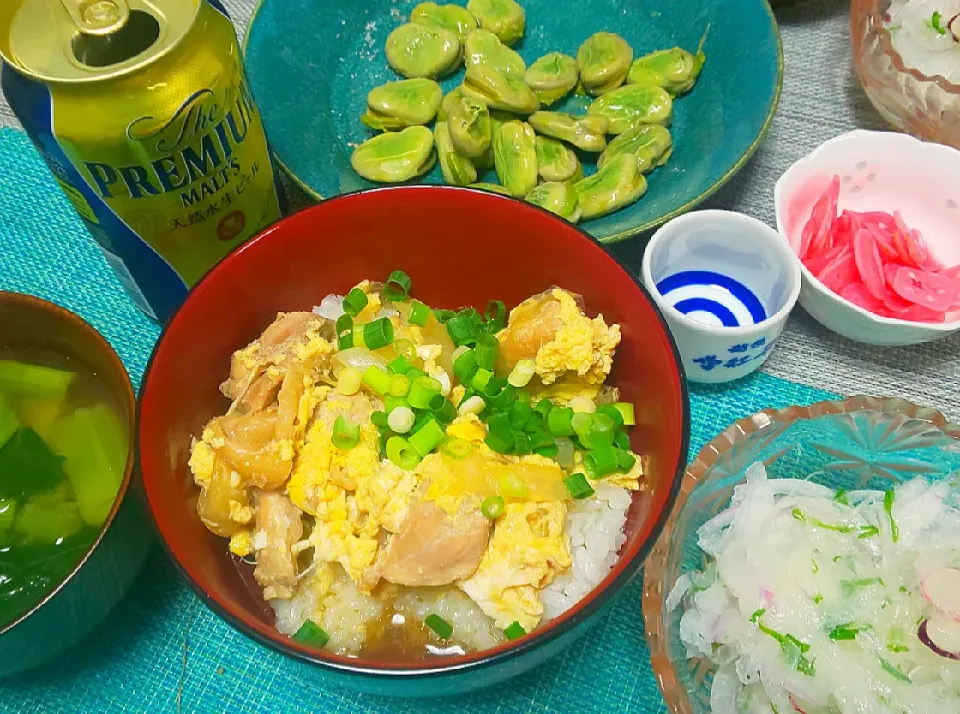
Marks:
<point>456,448</point>
<point>378,333</point>
<point>519,415</point>
<point>344,325</point>
<point>507,396</point>
<point>494,387</point>
<point>512,486</point>
<point>627,412</point>
<point>514,631</point>
<point>311,635</point>
<point>399,385</point>
<point>462,329</point>
<point>465,367</point>
<point>888,507</point>
<point>422,391</point>
<point>481,378</point>
<point>376,379</point>
<point>500,441</point>
<point>522,373</point>
<point>446,412</point>
<point>540,439</point>
<point>405,348</point>
<point>492,507</point>
<point>400,452</point>
<point>581,425</point>
<point>397,287</point>
<point>621,440</point>
<point>471,405</point>
<point>843,632</point>
<point>345,434</point>
<point>560,421</point>
<point>625,461</point>
<point>427,437</point>
<point>400,365</point>
<point>535,423</point>
<point>894,671</point>
<point>391,402</point>
<point>379,419</point>
<point>612,412</point>
<point>578,487</point>
<point>601,431</point>
<point>486,350</point>
<point>544,406</point>
<point>841,497</point>
<point>345,342</point>
<point>443,628</point>
<point>522,444</point>
<point>354,302</point>
<point>496,316</point>
<point>444,316</point>
<point>418,314</point>
<point>600,462</point>
<point>582,404</point>
<point>550,451</point>
<point>348,381</point>
<point>400,419</point>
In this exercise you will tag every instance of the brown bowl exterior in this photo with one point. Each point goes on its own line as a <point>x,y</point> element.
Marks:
<point>926,107</point>
<point>105,573</point>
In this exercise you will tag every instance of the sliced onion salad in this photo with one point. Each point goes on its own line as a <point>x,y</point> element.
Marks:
<point>817,601</point>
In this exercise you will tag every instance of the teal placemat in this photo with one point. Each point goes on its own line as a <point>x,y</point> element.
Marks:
<point>162,650</point>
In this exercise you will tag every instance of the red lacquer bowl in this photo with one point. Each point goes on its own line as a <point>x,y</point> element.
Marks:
<point>461,247</point>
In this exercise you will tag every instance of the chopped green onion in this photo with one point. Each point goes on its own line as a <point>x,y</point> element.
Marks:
<point>397,287</point>
<point>444,316</point>
<point>500,441</point>
<point>894,671</point>
<point>345,434</point>
<point>622,441</point>
<point>400,419</point>
<point>513,486</point>
<point>868,532</point>
<point>405,348</point>
<point>481,378</point>
<point>456,448</point>
<point>496,315</point>
<point>817,599</point>
<point>757,614</point>
<point>522,373</point>
<point>550,451</point>
<point>799,514</point>
<point>519,415</point>
<point>582,404</point>
<point>544,406</point>
<point>507,396</point>
<point>345,342</point>
<point>896,642</point>
<point>486,350</point>
<point>427,437</point>
<point>418,314</point>
<point>627,412</point>
<point>401,365</point>
<point>465,367</point>
<point>560,421</point>
<point>379,419</point>
<point>492,507</point>
<point>625,461</point>
<point>391,402</point>
<point>446,412</point>
<point>378,333</point>
<point>348,381</point>
<point>581,424</point>
<point>535,423</point>
<point>399,385</point>
<point>443,628</point>
<point>471,405</point>
<point>499,422</point>
<point>400,452</point>
<point>612,412</point>
<point>844,632</point>
<point>422,391</point>
<point>888,507</point>
<point>600,432</point>
<point>422,418</point>
<point>311,635</point>
<point>462,329</point>
<point>354,302</point>
<point>344,324</point>
<point>841,497</point>
<point>936,22</point>
<point>415,372</point>
<point>522,444</point>
<point>514,631</point>
<point>578,487</point>
<point>600,462</point>
<point>848,587</point>
<point>793,650</point>
<point>494,387</point>
<point>376,379</point>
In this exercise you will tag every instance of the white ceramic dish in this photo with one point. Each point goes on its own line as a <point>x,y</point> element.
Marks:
<point>879,171</point>
<point>725,283</point>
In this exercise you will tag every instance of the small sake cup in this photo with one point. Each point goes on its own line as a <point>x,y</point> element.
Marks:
<point>725,283</point>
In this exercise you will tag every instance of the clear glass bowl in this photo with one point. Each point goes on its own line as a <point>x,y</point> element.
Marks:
<point>927,107</point>
<point>861,442</point>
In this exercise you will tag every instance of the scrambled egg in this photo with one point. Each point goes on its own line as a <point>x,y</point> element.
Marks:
<point>581,345</point>
<point>528,549</point>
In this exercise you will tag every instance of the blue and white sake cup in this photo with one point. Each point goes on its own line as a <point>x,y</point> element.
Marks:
<point>725,283</point>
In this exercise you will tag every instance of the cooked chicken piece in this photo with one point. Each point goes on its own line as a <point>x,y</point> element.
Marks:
<point>246,443</point>
<point>279,520</point>
<point>552,330</point>
<point>434,548</point>
<point>261,393</point>
<point>224,504</point>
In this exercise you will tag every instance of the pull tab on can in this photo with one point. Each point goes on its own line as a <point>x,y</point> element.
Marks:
<point>97,17</point>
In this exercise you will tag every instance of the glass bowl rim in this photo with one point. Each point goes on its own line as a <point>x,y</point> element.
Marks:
<point>654,594</point>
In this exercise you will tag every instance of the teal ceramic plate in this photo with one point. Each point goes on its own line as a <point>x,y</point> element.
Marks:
<point>310,64</point>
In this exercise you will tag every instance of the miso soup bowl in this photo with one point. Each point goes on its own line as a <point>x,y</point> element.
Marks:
<point>29,325</point>
<point>460,247</point>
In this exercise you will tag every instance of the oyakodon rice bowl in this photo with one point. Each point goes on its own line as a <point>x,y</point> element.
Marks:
<point>413,483</point>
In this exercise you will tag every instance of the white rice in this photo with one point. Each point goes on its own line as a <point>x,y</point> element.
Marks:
<point>331,307</point>
<point>595,529</point>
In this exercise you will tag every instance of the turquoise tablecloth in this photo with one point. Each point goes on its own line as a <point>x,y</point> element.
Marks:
<point>162,650</point>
